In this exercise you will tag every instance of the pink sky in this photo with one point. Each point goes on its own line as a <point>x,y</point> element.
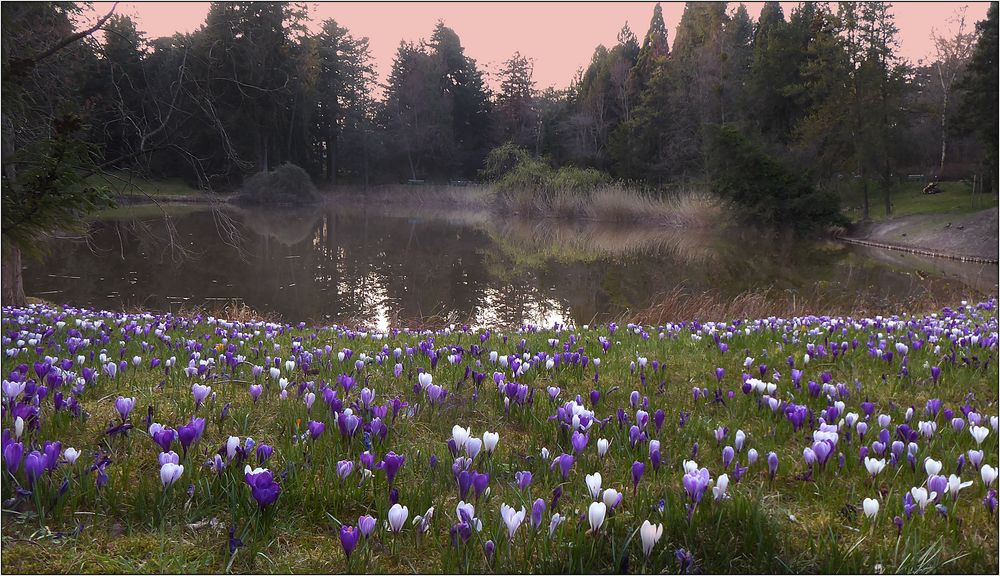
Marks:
<point>559,36</point>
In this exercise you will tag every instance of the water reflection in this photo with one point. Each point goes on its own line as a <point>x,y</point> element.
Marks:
<point>366,266</point>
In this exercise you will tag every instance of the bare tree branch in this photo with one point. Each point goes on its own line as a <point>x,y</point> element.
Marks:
<point>25,64</point>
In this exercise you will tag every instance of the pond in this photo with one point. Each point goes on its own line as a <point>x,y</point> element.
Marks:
<point>380,266</point>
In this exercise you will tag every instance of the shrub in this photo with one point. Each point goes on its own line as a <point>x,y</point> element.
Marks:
<point>512,169</point>
<point>287,184</point>
<point>502,159</point>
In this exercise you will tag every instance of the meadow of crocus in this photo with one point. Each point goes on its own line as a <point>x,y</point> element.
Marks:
<point>152,442</point>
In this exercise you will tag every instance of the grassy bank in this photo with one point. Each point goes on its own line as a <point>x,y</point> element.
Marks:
<point>610,203</point>
<point>908,199</point>
<point>926,379</point>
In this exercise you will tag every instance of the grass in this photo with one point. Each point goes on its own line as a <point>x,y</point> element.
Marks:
<point>606,204</point>
<point>908,199</point>
<point>788,524</point>
<point>126,184</point>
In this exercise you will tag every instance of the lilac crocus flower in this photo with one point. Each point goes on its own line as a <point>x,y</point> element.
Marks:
<point>695,484</point>
<point>772,464</point>
<point>344,468</point>
<point>366,525</point>
<point>124,406</point>
<point>579,441</point>
<point>720,434</point>
<point>523,479</point>
<point>170,473</point>
<point>200,393</point>
<point>255,391</point>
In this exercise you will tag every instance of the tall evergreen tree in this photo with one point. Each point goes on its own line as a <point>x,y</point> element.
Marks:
<point>462,84</point>
<point>978,108</point>
<point>516,114</point>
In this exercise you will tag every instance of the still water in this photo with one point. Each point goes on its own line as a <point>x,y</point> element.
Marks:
<point>379,267</point>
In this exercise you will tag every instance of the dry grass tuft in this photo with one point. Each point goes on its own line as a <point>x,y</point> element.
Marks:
<point>680,305</point>
<point>233,310</point>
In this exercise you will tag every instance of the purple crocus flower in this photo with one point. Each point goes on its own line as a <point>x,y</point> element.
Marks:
<point>391,463</point>
<point>685,560</point>
<point>464,480</point>
<point>164,437</point>
<point>480,482</point>
<point>772,464</point>
<point>349,536</point>
<point>537,509</point>
<point>557,493</point>
<point>565,462</point>
<point>264,452</point>
<point>12,454</point>
<point>315,429</point>
<point>579,441</point>
<point>933,407</point>
<point>719,374</point>
<point>523,479</point>
<point>728,453</point>
<point>263,488</point>
<point>34,465</point>
<point>255,391</point>
<point>908,504</point>
<point>52,451</point>
<point>935,373</point>
<point>658,418</point>
<point>638,469</point>
<point>191,432</point>
<point>489,548</point>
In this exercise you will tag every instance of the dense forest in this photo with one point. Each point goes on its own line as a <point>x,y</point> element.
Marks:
<point>784,106</point>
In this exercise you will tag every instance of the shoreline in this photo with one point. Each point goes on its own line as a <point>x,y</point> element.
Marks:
<point>969,237</point>
<point>966,237</point>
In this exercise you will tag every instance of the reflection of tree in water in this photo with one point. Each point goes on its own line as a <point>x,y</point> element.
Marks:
<point>331,264</point>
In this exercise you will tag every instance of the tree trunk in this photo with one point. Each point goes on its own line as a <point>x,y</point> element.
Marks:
<point>13,282</point>
<point>331,157</point>
<point>944,133</point>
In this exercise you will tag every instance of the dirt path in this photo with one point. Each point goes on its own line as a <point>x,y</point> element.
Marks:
<point>961,236</point>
